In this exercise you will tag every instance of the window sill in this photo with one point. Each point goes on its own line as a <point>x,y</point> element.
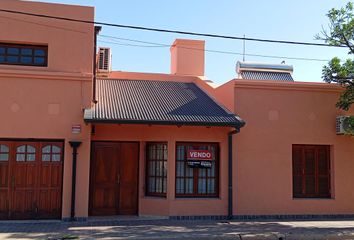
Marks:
<point>309,198</point>
<point>155,197</point>
<point>197,198</point>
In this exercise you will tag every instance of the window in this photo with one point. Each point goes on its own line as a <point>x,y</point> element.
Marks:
<point>25,153</point>
<point>197,177</point>
<point>4,153</point>
<point>21,54</point>
<point>51,153</point>
<point>311,171</point>
<point>156,169</point>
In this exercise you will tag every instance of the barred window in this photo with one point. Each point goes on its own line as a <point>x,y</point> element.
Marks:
<point>197,178</point>
<point>156,169</point>
<point>311,171</point>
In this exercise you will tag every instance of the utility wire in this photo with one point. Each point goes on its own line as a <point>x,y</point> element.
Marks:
<point>129,45</point>
<point>169,31</point>
<point>207,50</point>
<point>135,40</point>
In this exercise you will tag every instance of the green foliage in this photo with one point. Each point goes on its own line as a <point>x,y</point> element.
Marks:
<point>350,123</point>
<point>341,33</point>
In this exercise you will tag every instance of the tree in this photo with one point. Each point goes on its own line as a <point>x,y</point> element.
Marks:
<point>340,33</point>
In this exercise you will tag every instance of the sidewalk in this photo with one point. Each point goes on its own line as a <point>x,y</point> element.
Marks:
<point>168,229</point>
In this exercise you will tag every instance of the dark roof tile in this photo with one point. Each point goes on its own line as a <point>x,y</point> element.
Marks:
<point>157,102</point>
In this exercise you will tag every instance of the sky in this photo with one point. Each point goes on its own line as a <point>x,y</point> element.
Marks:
<point>288,20</point>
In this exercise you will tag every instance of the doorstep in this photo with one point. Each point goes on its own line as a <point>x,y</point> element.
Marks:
<point>120,218</point>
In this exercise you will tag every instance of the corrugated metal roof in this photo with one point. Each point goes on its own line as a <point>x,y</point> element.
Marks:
<point>157,102</point>
<point>262,75</point>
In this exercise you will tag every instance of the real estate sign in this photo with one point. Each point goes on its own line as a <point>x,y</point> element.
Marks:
<point>199,158</point>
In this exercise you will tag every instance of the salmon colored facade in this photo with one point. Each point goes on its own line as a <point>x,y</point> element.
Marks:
<point>170,205</point>
<point>44,105</point>
<point>278,116</point>
<point>45,102</point>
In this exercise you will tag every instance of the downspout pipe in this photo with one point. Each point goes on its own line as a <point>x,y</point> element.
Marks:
<point>229,209</point>
<point>97,29</point>
<point>75,145</point>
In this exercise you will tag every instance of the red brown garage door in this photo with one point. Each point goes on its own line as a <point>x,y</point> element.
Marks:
<point>30,179</point>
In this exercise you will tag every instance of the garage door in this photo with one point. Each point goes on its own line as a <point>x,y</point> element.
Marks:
<point>31,179</point>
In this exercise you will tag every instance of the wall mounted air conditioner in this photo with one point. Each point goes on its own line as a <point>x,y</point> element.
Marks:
<point>104,59</point>
<point>342,126</point>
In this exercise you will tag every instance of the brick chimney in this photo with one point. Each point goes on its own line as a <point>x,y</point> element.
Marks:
<point>187,57</point>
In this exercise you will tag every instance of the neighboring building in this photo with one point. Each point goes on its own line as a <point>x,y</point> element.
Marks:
<point>45,83</point>
<point>158,144</point>
<point>288,158</point>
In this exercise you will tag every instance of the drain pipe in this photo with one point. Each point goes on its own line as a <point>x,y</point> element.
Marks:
<point>74,145</point>
<point>97,29</point>
<point>229,209</point>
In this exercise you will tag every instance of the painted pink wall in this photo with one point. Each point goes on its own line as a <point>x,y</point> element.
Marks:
<point>225,95</point>
<point>44,102</point>
<point>171,134</point>
<point>70,44</point>
<point>278,115</point>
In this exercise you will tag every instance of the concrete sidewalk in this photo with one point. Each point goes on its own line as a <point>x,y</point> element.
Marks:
<point>168,229</point>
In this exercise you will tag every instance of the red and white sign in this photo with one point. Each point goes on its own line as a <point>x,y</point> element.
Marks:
<point>76,129</point>
<point>201,155</point>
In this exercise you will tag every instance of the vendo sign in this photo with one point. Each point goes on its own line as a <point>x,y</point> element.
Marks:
<point>201,155</point>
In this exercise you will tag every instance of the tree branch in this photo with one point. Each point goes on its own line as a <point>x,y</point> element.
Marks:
<point>347,43</point>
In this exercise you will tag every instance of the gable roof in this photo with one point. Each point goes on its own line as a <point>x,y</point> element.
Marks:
<point>157,102</point>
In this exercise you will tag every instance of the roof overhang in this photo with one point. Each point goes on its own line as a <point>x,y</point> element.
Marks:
<point>89,119</point>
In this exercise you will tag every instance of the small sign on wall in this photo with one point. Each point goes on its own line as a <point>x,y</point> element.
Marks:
<point>75,129</point>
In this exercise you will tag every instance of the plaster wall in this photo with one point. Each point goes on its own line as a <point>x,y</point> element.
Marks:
<point>277,116</point>
<point>172,206</point>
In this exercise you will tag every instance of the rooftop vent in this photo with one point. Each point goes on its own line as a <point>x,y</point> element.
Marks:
<point>104,59</point>
<point>264,71</point>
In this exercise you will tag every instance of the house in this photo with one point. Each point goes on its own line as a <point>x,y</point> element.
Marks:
<point>46,82</point>
<point>79,140</point>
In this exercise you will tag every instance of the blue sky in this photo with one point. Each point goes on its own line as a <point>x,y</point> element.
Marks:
<point>297,20</point>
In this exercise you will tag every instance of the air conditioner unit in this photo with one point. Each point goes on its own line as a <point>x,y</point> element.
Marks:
<point>104,59</point>
<point>342,125</point>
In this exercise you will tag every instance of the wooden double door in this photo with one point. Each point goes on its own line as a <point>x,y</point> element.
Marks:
<point>31,179</point>
<point>114,178</point>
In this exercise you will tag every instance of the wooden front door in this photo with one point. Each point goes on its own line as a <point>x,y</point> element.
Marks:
<point>30,179</point>
<point>114,178</point>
